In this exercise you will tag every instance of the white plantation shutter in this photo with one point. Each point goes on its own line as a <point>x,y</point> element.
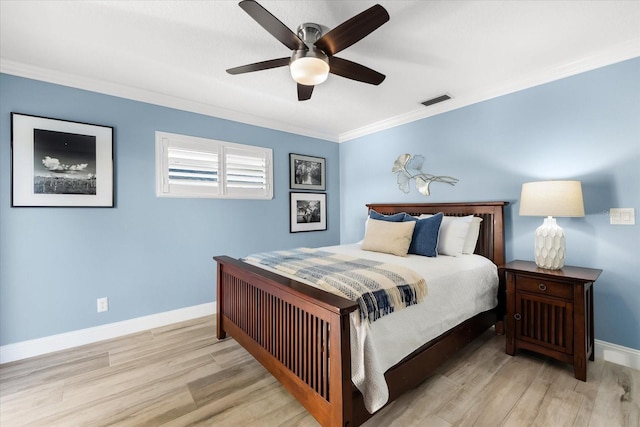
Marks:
<point>194,167</point>
<point>246,171</point>
<point>197,167</point>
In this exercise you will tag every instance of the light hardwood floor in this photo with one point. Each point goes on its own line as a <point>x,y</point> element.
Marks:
<point>180,375</point>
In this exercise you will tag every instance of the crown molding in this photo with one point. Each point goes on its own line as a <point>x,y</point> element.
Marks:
<point>619,53</point>
<point>150,97</point>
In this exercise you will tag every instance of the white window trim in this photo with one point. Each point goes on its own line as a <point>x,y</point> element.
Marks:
<point>222,148</point>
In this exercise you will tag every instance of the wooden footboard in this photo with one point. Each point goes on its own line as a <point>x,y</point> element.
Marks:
<point>298,333</point>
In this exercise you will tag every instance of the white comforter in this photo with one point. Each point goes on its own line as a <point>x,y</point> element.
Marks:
<point>458,288</point>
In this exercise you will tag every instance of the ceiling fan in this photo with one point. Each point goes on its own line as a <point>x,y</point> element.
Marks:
<point>313,52</point>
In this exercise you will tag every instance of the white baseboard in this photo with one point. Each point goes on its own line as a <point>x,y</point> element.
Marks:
<point>8,353</point>
<point>36,347</point>
<point>618,354</point>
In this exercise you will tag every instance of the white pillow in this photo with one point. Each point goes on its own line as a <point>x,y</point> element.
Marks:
<point>451,245</point>
<point>453,234</point>
<point>388,237</point>
<point>472,236</point>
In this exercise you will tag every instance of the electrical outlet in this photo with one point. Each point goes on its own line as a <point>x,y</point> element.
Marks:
<point>103,304</point>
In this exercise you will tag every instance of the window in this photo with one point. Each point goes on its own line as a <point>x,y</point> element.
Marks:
<point>187,166</point>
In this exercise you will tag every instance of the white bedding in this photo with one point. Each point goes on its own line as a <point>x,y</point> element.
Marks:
<point>458,288</point>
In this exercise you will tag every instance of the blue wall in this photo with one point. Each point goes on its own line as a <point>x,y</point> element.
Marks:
<point>149,254</point>
<point>586,127</point>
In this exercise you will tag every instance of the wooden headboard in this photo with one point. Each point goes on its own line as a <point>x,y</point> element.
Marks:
<point>491,238</point>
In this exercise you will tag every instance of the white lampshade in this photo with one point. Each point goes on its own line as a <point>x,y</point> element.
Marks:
<point>551,198</point>
<point>309,70</point>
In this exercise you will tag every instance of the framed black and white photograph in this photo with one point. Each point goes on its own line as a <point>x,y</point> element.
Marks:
<point>60,163</point>
<point>306,172</point>
<point>308,212</point>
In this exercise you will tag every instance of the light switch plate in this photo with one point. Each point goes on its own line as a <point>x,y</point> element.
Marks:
<point>625,216</point>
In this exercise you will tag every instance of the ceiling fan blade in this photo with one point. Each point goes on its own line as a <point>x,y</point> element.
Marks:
<point>354,71</point>
<point>273,25</point>
<point>257,66</point>
<point>304,92</point>
<point>352,30</point>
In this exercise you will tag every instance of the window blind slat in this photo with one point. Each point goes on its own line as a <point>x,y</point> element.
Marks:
<point>246,171</point>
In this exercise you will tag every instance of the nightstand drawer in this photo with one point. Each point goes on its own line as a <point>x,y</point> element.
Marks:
<point>544,287</point>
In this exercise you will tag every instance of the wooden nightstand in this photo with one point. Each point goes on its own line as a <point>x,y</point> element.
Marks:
<point>551,312</point>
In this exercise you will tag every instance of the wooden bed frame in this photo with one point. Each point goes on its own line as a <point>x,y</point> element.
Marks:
<point>301,334</point>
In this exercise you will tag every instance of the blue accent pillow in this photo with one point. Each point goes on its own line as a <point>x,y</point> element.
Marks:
<point>425,235</point>
<point>399,217</point>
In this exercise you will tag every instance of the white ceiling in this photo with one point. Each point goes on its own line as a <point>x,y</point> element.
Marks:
<point>175,53</point>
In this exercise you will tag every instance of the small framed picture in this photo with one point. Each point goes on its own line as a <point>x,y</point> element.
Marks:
<point>308,212</point>
<point>306,172</point>
<point>60,163</point>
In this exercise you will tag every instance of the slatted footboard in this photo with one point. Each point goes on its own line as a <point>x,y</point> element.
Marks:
<point>298,333</point>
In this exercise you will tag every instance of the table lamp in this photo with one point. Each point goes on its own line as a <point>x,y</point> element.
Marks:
<point>551,198</point>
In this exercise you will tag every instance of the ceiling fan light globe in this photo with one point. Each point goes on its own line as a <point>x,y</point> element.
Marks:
<point>309,71</point>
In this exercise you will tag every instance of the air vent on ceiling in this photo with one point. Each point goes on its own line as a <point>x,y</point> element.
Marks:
<point>436,100</point>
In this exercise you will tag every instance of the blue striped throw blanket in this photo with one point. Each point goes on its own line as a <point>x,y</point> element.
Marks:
<point>377,287</point>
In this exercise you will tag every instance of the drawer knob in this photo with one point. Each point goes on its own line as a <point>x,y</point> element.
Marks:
<point>517,316</point>
<point>542,287</point>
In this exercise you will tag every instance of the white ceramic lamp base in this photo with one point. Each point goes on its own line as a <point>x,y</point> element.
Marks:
<point>550,245</point>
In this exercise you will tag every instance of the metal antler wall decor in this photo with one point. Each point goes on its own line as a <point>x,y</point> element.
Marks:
<point>408,167</point>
